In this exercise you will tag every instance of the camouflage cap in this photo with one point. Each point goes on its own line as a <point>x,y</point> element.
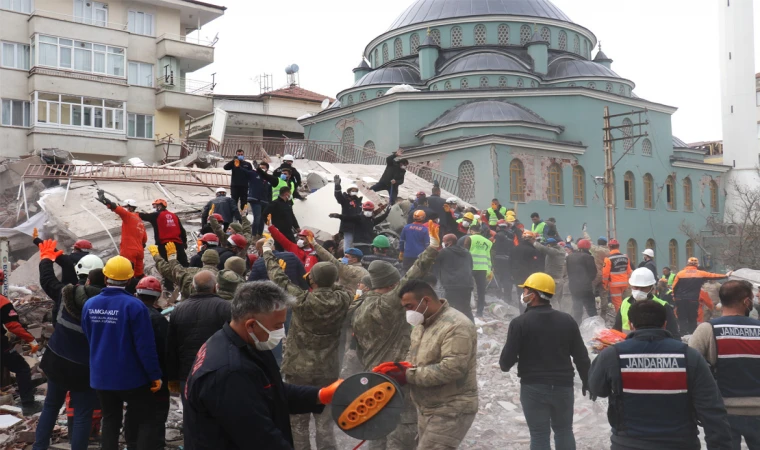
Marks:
<point>324,274</point>
<point>210,257</point>
<point>228,280</point>
<point>237,227</point>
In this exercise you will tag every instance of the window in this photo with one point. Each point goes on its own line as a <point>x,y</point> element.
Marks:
<point>714,197</point>
<point>670,193</point>
<point>520,82</point>
<point>92,13</point>
<point>398,48</point>
<point>646,147</point>
<point>81,56</point>
<point>385,53</point>
<point>689,249</point>
<point>348,137</point>
<point>81,112</point>
<point>140,74</point>
<point>633,252</point>
<point>434,87</point>
<point>650,244</point>
<point>140,126</point>
<point>579,186</point>
<point>673,253</point>
<point>456,37</point>
<point>629,189</point>
<point>480,34</point>
<point>378,94</point>
<point>687,200</point>
<point>377,59</point>
<point>436,35</point>
<point>516,181</point>
<point>22,6</point>
<point>525,34</point>
<point>140,23</point>
<point>464,84</point>
<point>592,85</point>
<point>415,43</point>
<point>562,40</point>
<point>576,44</point>
<point>15,56</point>
<point>15,113</point>
<point>369,148</point>
<point>363,97</point>
<point>627,134</point>
<point>503,34</point>
<point>466,174</point>
<point>546,35</point>
<point>621,90</point>
<point>447,86</point>
<point>532,83</point>
<point>554,190</point>
<point>608,87</point>
<point>350,100</point>
<point>502,82</point>
<point>484,82</point>
<point>648,192</point>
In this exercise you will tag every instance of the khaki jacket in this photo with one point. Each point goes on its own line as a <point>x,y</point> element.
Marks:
<point>600,254</point>
<point>350,275</point>
<point>218,230</point>
<point>444,353</point>
<point>183,276</point>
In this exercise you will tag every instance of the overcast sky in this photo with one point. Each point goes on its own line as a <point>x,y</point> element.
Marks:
<point>669,48</point>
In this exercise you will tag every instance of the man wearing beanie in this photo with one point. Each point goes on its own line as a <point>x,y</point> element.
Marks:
<point>227,282</point>
<point>383,334</point>
<point>183,276</point>
<point>243,228</point>
<point>235,264</point>
<point>311,354</point>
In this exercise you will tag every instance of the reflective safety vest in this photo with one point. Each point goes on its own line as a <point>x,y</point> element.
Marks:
<point>281,184</point>
<point>626,305</point>
<point>670,279</point>
<point>654,400</point>
<point>492,219</point>
<point>168,227</point>
<point>538,228</point>
<point>618,270</point>
<point>480,249</point>
<point>737,340</point>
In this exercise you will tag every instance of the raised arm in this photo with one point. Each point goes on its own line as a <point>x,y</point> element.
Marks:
<point>277,275</point>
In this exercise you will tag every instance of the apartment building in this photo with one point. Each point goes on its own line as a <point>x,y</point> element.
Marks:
<point>103,80</point>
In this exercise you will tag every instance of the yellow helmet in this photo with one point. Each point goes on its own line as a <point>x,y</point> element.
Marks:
<point>118,268</point>
<point>469,216</point>
<point>540,282</point>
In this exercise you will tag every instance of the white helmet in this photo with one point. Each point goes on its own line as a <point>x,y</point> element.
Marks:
<point>288,158</point>
<point>452,200</point>
<point>221,189</point>
<point>88,263</point>
<point>130,202</point>
<point>352,186</point>
<point>648,252</point>
<point>642,277</point>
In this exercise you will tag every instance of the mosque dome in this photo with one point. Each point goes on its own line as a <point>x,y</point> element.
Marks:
<point>570,68</point>
<point>390,75</point>
<point>483,61</point>
<point>487,112</point>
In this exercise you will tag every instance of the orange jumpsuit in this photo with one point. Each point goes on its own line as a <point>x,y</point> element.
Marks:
<point>615,275</point>
<point>133,238</point>
<point>704,300</point>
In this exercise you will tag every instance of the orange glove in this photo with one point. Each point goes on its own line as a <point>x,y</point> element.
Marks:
<point>35,346</point>
<point>174,387</point>
<point>35,233</point>
<point>155,386</point>
<point>326,393</point>
<point>48,251</point>
<point>446,207</point>
<point>434,232</point>
<point>395,370</point>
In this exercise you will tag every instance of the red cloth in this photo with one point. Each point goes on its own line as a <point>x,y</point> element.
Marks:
<point>168,227</point>
<point>307,255</point>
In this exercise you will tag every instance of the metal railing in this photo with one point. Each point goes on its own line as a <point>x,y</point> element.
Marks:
<point>77,19</point>
<point>324,151</point>
<point>189,40</point>
<point>184,85</point>
<point>95,172</point>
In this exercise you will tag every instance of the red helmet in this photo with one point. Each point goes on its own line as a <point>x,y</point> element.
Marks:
<point>160,201</point>
<point>149,286</point>
<point>238,241</point>
<point>306,233</point>
<point>218,217</point>
<point>82,244</point>
<point>584,244</point>
<point>502,223</point>
<point>368,206</point>
<point>210,238</point>
<point>614,243</point>
<point>252,259</point>
<point>421,194</point>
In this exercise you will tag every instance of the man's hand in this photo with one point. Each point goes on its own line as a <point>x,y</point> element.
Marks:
<point>211,210</point>
<point>395,370</point>
<point>155,385</point>
<point>401,256</point>
<point>446,207</point>
<point>35,233</point>
<point>171,251</point>
<point>336,180</point>
<point>326,393</point>
<point>268,245</point>
<point>569,239</point>
<point>583,228</point>
<point>310,240</point>
<point>489,276</point>
<point>47,250</point>
<point>244,212</point>
<point>35,346</point>
<point>174,386</point>
<point>585,389</point>
<point>269,219</point>
<point>434,233</point>
<point>334,216</point>
<point>153,249</point>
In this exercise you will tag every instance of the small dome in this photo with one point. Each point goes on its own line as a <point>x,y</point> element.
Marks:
<point>572,68</point>
<point>600,56</point>
<point>363,65</point>
<point>390,75</point>
<point>486,111</point>
<point>483,61</point>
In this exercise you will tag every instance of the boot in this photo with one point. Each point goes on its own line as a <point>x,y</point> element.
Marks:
<point>29,409</point>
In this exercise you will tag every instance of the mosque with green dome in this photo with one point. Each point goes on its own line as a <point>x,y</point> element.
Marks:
<point>509,96</point>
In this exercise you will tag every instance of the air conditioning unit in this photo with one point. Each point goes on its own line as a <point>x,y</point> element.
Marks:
<point>732,229</point>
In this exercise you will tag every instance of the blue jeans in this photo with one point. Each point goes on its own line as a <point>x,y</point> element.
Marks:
<point>548,406</point>
<point>83,403</point>
<point>257,219</point>
<point>747,426</point>
<point>348,240</point>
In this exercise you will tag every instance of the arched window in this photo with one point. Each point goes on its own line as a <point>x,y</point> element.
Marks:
<point>673,253</point>
<point>621,90</point>
<point>579,186</point>
<point>627,133</point>
<point>350,100</point>
<point>502,82</point>
<point>434,87</point>
<point>484,82</point>
<point>503,34</point>
<point>576,44</point>
<point>592,85</point>
<point>466,180</point>
<point>608,87</point>
<point>714,203</point>
<point>633,252</point>
<point>377,59</point>
<point>670,193</point>
<point>525,34</point>
<point>520,82</point>
<point>415,43</point>
<point>562,40</point>
<point>363,97</point>
<point>480,34</point>
<point>648,192</point>
<point>532,83</point>
<point>646,147</point>
<point>554,190</point>
<point>464,84</point>
<point>436,35</point>
<point>546,35</point>
<point>687,200</point>
<point>447,86</point>
<point>456,37</point>
<point>348,137</point>
<point>651,244</point>
<point>516,181</point>
<point>629,188</point>
<point>379,94</point>
<point>385,53</point>
<point>398,48</point>
<point>369,148</point>
<point>689,249</point>
<point>426,174</point>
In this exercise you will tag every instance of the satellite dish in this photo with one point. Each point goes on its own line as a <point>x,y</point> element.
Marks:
<point>289,70</point>
<point>294,68</point>
<point>325,103</point>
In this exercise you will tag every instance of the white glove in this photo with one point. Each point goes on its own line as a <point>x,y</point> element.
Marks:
<point>268,245</point>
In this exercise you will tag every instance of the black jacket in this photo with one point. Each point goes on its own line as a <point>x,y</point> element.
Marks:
<point>435,203</point>
<point>670,316</point>
<point>282,216</point>
<point>224,254</point>
<point>649,265</point>
<point>294,174</point>
<point>541,342</point>
<point>349,207</point>
<point>363,227</point>
<point>525,261</point>
<point>236,398</point>
<point>410,214</point>
<point>453,267</point>
<point>294,269</point>
<point>223,205</point>
<point>195,261</point>
<point>393,171</point>
<point>501,251</point>
<point>239,175</point>
<point>192,323</point>
<point>581,271</point>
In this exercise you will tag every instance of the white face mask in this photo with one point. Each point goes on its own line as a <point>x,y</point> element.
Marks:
<point>639,295</point>
<point>466,224</point>
<point>367,213</point>
<point>415,317</point>
<point>300,243</point>
<point>274,338</point>
<point>359,292</point>
<point>523,298</point>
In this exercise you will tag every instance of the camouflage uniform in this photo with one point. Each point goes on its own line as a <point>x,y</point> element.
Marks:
<point>218,230</point>
<point>600,253</point>
<point>349,275</point>
<point>311,353</point>
<point>556,267</point>
<point>383,334</point>
<point>183,276</point>
<point>444,384</point>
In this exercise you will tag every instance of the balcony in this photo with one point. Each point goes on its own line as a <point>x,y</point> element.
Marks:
<point>193,54</point>
<point>57,24</point>
<point>188,96</point>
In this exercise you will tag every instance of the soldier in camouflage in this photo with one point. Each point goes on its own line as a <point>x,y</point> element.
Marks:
<point>183,276</point>
<point>349,275</point>
<point>311,353</point>
<point>243,228</point>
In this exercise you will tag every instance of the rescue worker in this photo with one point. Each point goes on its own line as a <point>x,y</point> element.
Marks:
<point>237,245</point>
<point>230,277</point>
<point>287,163</point>
<point>643,288</point>
<point>302,247</point>
<point>78,251</point>
<point>172,270</point>
<point>435,202</point>
<point>441,367</point>
<point>114,319</point>
<point>11,359</point>
<point>525,260</point>
<point>581,272</point>
<point>364,225</point>
<point>600,252</point>
<point>503,243</point>
<point>311,356</point>
<point>224,206</point>
<point>259,195</point>
<point>281,210</point>
<point>235,395</point>
<point>495,213</point>
<point>206,242</point>
<point>668,276</point>
<point>729,343</point>
<point>350,270</point>
<point>243,228</point>
<point>686,287</point>
<point>167,228</point>
<point>448,219</point>
<point>420,205</point>
<point>453,269</point>
<point>133,234</point>
<point>648,261</point>
<point>464,224</point>
<point>383,334</point>
<point>615,274</point>
<point>283,180</point>
<point>380,249</point>
<point>554,265</point>
<point>239,179</point>
<point>704,302</point>
<point>67,262</point>
<point>393,176</point>
<point>413,240</point>
<point>482,270</point>
<point>659,389</point>
<point>541,342</point>
<point>350,207</point>
<point>538,225</point>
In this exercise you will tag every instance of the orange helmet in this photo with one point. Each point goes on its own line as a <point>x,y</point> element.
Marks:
<point>160,201</point>
<point>693,261</point>
<point>419,215</point>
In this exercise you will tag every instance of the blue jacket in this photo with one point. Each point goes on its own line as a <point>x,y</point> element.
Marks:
<point>293,269</point>
<point>413,240</point>
<point>123,351</point>
<point>738,367</point>
<point>258,188</point>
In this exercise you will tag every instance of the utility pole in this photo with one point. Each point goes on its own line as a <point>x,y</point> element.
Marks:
<point>610,203</point>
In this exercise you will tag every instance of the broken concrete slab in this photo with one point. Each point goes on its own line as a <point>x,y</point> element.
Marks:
<point>8,421</point>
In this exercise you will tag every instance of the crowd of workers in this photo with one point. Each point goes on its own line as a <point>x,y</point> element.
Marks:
<point>367,304</point>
